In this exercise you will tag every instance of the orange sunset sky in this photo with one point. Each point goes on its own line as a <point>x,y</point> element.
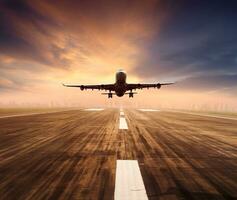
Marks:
<point>46,43</point>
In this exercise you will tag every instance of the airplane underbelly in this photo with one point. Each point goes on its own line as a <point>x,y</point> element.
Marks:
<point>120,90</point>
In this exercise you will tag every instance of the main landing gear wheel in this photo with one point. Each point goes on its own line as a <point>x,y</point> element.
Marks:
<point>110,95</point>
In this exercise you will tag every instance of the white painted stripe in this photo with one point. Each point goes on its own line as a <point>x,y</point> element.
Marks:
<point>122,123</point>
<point>30,114</point>
<point>128,181</point>
<point>94,109</point>
<point>203,115</point>
<point>148,110</point>
<point>121,113</point>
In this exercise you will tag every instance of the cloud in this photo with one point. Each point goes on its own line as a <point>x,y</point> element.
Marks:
<point>21,25</point>
<point>79,37</point>
<point>6,83</point>
<point>81,33</point>
<point>44,43</point>
<point>197,38</point>
<point>209,84</point>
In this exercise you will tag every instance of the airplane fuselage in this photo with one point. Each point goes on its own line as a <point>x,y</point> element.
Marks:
<point>120,84</point>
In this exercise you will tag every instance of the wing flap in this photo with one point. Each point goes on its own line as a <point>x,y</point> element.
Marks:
<point>141,86</point>
<point>93,87</point>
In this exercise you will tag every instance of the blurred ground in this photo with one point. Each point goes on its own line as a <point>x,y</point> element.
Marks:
<point>72,154</point>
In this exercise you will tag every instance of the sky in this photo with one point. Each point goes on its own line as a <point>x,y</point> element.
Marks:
<point>48,42</point>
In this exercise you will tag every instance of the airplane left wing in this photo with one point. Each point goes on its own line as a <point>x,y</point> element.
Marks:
<point>93,87</point>
<point>141,86</point>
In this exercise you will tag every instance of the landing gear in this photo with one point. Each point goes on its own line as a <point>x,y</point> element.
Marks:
<point>130,95</point>
<point>110,95</point>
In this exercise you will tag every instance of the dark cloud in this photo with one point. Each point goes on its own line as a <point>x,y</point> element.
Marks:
<point>199,37</point>
<point>218,83</point>
<point>21,25</point>
<point>30,30</point>
<point>192,41</point>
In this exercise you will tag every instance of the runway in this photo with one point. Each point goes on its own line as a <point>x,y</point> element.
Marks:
<point>73,155</point>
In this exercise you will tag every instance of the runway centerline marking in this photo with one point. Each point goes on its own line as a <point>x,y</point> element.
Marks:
<point>94,109</point>
<point>128,181</point>
<point>122,123</point>
<point>121,113</point>
<point>149,110</point>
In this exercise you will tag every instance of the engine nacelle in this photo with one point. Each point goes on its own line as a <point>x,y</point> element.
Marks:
<point>158,86</point>
<point>82,87</point>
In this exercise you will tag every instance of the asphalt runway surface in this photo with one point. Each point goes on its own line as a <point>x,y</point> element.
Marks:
<point>113,154</point>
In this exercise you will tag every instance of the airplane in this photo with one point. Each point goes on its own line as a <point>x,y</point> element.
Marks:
<point>120,87</point>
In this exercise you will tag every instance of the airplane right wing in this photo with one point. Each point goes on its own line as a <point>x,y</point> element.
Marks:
<point>141,86</point>
<point>93,87</point>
